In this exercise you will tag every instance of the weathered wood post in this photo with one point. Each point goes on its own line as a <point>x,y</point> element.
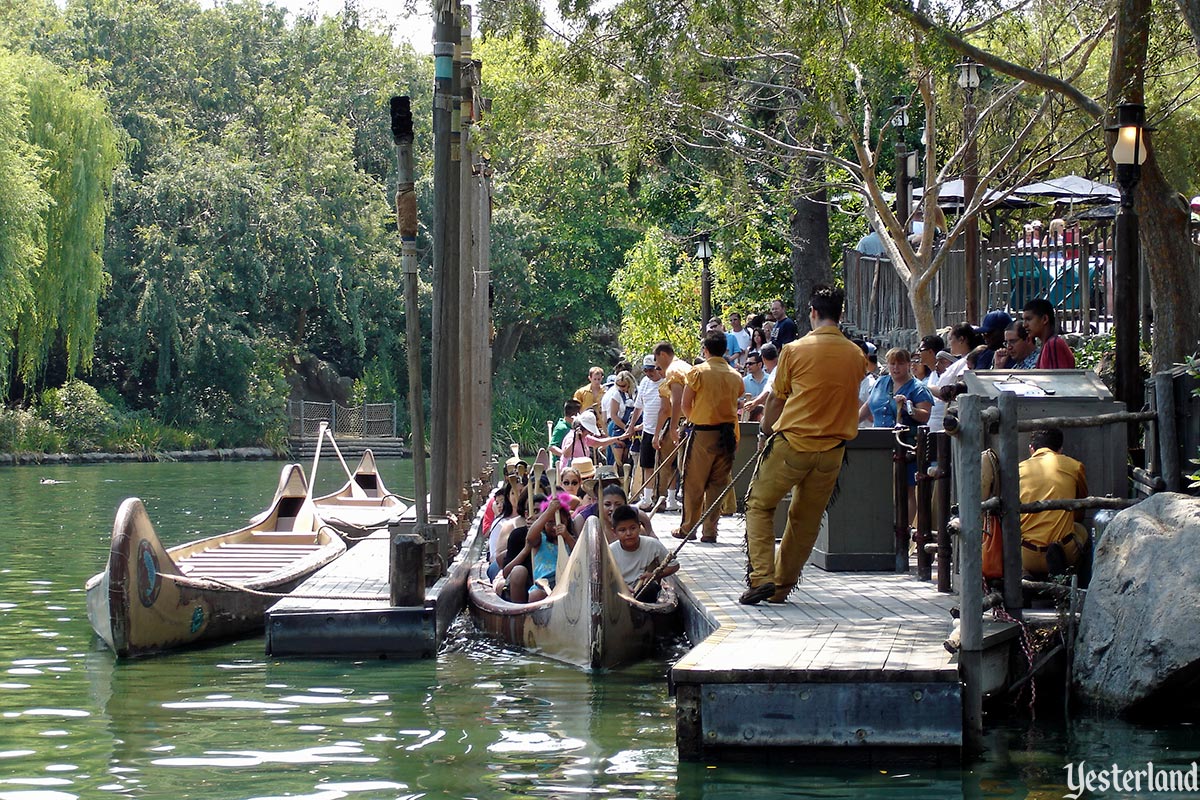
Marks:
<point>406,219</point>
<point>406,572</point>
<point>1007,447</point>
<point>483,302</point>
<point>970,658</point>
<point>945,547</point>
<point>924,505</point>
<point>1168,434</point>
<point>445,38</point>
<point>900,503</point>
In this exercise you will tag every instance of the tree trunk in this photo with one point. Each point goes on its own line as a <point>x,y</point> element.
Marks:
<point>1163,215</point>
<point>922,304</point>
<point>809,234</point>
<point>508,339</point>
<point>1191,13</point>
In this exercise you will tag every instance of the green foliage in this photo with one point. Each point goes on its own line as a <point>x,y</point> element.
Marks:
<point>79,412</point>
<point>1193,368</point>
<point>1095,348</point>
<point>659,293</point>
<point>23,431</point>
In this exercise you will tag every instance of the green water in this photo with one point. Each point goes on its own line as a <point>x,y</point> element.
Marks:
<point>480,721</point>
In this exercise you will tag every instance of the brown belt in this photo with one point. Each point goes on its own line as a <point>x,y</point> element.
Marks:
<point>1038,548</point>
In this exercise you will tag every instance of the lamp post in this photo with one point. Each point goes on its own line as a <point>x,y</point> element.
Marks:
<point>968,79</point>
<point>1128,154</point>
<point>704,252</point>
<point>900,122</point>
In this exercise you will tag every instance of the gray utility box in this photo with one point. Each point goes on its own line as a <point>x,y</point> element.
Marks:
<point>859,535</point>
<point>1066,393</point>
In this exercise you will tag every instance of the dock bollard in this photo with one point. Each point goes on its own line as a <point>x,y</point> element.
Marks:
<point>406,574</point>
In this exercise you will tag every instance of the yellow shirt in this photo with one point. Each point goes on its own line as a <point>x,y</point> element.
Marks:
<point>1047,475</point>
<point>818,378</point>
<point>717,388</point>
<point>676,374</point>
<point>588,399</point>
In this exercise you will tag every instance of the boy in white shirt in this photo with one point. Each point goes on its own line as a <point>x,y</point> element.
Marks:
<point>637,556</point>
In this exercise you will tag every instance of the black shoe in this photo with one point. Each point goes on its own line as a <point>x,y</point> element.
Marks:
<point>756,594</point>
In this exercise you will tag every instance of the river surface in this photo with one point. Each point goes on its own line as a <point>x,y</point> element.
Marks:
<point>480,721</point>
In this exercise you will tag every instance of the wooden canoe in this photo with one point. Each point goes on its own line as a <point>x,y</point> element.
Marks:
<point>149,599</point>
<point>362,505</point>
<point>590,618</point>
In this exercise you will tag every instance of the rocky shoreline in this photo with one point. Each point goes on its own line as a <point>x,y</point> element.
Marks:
<point>216,454</point>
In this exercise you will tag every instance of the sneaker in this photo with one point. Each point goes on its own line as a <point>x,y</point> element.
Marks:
<point>646,505</point>
<point>672,504</point>
<point>756,594</point>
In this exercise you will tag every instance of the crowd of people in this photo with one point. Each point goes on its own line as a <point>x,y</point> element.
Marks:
<point>668,438</point>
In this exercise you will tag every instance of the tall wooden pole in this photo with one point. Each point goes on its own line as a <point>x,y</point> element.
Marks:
<point>450,332</point>
<point>444,39</point>
<point>406,220</point>
<point>467,408</point>
<point>483,286</point>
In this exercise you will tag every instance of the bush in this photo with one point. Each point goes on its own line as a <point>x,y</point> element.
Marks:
<point>22,431</point>
<point>79,414</point>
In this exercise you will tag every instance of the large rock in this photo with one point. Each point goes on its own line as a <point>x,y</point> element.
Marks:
<point>1139,634</point>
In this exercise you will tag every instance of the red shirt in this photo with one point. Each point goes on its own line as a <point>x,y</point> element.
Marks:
<point>1056,355</point>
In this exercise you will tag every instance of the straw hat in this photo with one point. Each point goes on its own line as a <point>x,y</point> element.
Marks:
<point>588,420</point>
<point>585,467</point>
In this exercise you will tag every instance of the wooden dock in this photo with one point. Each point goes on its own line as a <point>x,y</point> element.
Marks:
<point>854,661</point>
<point>344,610</point>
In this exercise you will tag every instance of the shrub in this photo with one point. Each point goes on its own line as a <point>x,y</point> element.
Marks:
<point>22,431</point>
<point>79,414</point>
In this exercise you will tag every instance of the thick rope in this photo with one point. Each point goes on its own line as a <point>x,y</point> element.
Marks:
<point>217,585</point>
<point>688,535</point>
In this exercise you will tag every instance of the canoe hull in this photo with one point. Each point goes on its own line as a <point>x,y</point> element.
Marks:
<point>590,619</point>
<point>144,603</point>
<point>362,505</point>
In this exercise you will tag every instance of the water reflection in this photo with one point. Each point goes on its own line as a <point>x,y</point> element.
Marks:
<point>481,720</point>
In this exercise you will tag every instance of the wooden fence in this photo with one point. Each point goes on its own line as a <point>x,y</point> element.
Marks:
<point>1011,274</point>
<point>370,420</point>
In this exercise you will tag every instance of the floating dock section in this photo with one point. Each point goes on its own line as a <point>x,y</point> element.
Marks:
<point>344,610</point>
<point>853,662</point>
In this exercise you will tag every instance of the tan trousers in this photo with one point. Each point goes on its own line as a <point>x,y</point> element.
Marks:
<point>1034,561</point>
<point>707,468</point>
<point>811,477</point>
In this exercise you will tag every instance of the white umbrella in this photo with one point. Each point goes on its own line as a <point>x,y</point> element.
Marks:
<point>1071,189</point>
<point>950,196</point>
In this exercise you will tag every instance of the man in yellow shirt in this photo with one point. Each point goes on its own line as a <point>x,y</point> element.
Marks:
<point>1051,536</point>
<point>810,415</point>
<point>590,394</point>
<point>666,440</point>
<point>710,402</point>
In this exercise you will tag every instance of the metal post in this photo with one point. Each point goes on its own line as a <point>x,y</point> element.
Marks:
<point>406,216</point>
<point>924,504</point>
<point>705,297</point>
<point>1010,499</point>
<point>970,445</point>
<point>902,209</point>
<point>1168,437</point>
<point>971,231</point>
<point>945,472</point>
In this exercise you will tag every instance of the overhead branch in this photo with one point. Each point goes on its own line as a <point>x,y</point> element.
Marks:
<point>994,62</point>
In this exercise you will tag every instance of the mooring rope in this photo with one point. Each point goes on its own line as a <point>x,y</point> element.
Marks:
<point>216,584</point>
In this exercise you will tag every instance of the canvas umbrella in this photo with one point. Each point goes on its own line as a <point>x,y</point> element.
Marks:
<point>950,197</point>
<point>1071,189</point>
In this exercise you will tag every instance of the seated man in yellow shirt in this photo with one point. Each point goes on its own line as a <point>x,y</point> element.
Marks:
<point>1051,541</point>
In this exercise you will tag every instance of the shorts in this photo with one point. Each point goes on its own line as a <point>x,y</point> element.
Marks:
<point>647,455</point>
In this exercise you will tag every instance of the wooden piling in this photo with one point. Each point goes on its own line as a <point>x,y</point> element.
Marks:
<point>945,547</point>
<point>969,447</point>
<point>1168,434</point>
<point>406,573</point>
<point>1007,446</point>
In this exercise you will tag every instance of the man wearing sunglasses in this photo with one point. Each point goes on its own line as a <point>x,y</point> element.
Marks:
<point>754,382</point>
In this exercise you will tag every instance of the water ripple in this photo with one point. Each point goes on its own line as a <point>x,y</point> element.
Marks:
<point>254,758</point>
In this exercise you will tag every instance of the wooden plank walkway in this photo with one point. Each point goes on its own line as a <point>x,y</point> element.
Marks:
<point>852,659</point>
<point>345,608</point>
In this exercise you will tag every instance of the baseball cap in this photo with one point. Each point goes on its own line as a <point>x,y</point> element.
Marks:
<point>647,361</point>
<point>994,321</point>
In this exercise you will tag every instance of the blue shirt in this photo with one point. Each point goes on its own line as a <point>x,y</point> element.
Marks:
<point>754,388</point>
<point>732,346</point>
<point>883,407</point>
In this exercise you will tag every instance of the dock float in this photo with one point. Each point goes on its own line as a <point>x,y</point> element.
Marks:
<point>853,664</point>
<point>344,610</point>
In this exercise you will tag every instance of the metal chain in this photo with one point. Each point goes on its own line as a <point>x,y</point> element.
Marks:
<point>1026,647</point>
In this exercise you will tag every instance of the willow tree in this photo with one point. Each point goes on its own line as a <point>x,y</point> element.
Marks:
<point>60,150</point>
